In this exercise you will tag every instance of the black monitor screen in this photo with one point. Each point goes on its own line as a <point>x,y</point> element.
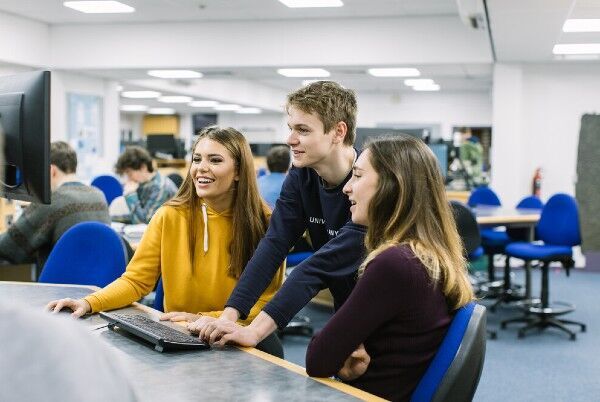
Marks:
<point>160,145</point>
<point>25,128</point>
<point>201,120</point>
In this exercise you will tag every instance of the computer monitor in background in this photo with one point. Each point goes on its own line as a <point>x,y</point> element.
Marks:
<point>162,144</point>
<point>440,150</point>
<point>25,128</point>
<point>201,120</point>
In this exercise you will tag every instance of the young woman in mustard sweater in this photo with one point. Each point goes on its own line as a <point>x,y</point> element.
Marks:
<point>199,241</point>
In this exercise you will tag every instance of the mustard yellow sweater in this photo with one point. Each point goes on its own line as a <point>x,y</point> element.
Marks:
<point>164,250</point>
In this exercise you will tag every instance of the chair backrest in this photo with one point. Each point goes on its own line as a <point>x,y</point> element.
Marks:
<point>159,297</point>
<point>89,253</point>
<point>467,227</point>
<point>294,259</point>
<point>559,222</point>
<point>531,201</point>
<point>483,196</point>
<point>176,179</point>
<point>455,370</point>
<point>110,186</point>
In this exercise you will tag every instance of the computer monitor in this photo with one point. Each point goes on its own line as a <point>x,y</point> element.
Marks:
<point>164,144</point>
<point>25,128</point>
<point>201,120</point>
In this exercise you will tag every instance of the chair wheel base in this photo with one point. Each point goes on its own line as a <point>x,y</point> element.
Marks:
<point>544,321</point>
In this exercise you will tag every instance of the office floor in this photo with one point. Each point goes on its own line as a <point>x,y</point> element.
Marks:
<point>540,367</point>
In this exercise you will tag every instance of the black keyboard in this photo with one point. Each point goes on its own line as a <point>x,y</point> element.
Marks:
<point>162,336</point>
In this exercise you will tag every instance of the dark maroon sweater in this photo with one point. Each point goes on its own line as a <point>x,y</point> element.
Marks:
<point>399,316</point>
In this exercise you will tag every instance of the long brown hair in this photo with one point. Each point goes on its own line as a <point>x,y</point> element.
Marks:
<point>410,207</point>
<point>250,212</point>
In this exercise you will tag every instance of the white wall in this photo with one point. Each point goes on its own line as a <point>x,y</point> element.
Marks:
<point>537,115</point>
<point>445,109</point>
<point>261,128</point>
<point>63,83</point>
<point>24,41</point>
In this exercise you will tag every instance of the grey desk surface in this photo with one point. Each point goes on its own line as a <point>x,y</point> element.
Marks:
<point>228,374</point>
<point>488,215</point>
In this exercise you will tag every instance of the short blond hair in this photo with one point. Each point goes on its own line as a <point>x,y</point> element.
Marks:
<point>331,102</point>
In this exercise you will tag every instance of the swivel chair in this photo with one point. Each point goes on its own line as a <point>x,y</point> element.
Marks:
<point>110,186</point>
<point>176,179</point>
<point>299,325</point>
<point>89,253</point>
<point>159,296</point>
<point>558,228</point>
<point>454,372</point>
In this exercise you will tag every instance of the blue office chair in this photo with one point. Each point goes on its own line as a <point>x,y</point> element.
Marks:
<point>89,253</point>
<point>110,186</point>
<point>483,196</point>
<point>176,178</point>
<point>454,372</point>
<point>300,324</point>
<point>558,228</point>
<point>159,297</point>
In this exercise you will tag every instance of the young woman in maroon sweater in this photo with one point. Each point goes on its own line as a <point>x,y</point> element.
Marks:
<point>385,335</point>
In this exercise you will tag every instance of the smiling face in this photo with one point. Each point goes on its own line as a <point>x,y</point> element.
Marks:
<point>309,143</point>
<point>361,188</point>
<point>214,173</point>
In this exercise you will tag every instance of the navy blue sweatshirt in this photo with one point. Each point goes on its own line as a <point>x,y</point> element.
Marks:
<point>304,204</point>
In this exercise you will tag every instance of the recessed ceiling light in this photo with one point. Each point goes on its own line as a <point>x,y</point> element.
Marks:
<point>174,74</point>
<point>204,103</point>
<point>312,3</point>
<point>228,107</point>
<point>99,7</point>
<point>394,72</point>
<point>140,94</point>
<point>578,57</point>
<point>134,108</point>
<point>434,87</point>
<point>249,110</point>
<point>303,72</point>
<point>175,99</point>
<point>418,81</point>
<point>161,110</point>
<point>582,25</point>
<point>577,48</point>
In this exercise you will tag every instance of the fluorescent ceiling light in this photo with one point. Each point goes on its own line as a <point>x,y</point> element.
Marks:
<point>174,74</point>
<point>249,110</point>
<point>134,108</point>
<point>140,94</point>
<point>99,7</point>
<point>303,72</point>
<point>577,57</point>
<point>434,87</point>
<point>204,103</point>
<point>228,107</point>
<point>161,110</point>
<point>312,3</point>
<point>582,25</point>
<point>394,72</point>
<point>418,81</point>
<point>119,88</point>
<point>577,48</point>
<point>175,99</point>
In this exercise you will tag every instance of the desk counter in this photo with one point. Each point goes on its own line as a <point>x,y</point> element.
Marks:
<point>229,374</point>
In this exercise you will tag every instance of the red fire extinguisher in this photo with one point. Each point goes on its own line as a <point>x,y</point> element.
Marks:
<point>536,187</point>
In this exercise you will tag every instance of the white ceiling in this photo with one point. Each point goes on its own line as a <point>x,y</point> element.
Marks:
<point>53,11</point>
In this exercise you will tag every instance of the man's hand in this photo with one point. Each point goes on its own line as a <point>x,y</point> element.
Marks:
<point>130,187</point>
<point>243,336</point>
<point>355,365</point>
<point>175,316</point>
<point>212,331</point>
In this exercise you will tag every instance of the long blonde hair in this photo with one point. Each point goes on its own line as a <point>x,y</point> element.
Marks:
<point>250,212</point>
<point>410,207</point>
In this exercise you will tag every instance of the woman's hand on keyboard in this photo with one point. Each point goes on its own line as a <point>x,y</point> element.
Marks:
<point>79,307</point>
<point>175,316</point>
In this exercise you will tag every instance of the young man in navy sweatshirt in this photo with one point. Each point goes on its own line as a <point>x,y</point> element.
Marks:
<point>322,120</point>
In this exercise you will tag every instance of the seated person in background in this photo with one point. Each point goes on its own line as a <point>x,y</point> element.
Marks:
<point>278,162</point>
<point>55,359</point>
<point>411,281</point>
<point>198,241</point>
<point>32,236</point>
<point>145,190</point>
